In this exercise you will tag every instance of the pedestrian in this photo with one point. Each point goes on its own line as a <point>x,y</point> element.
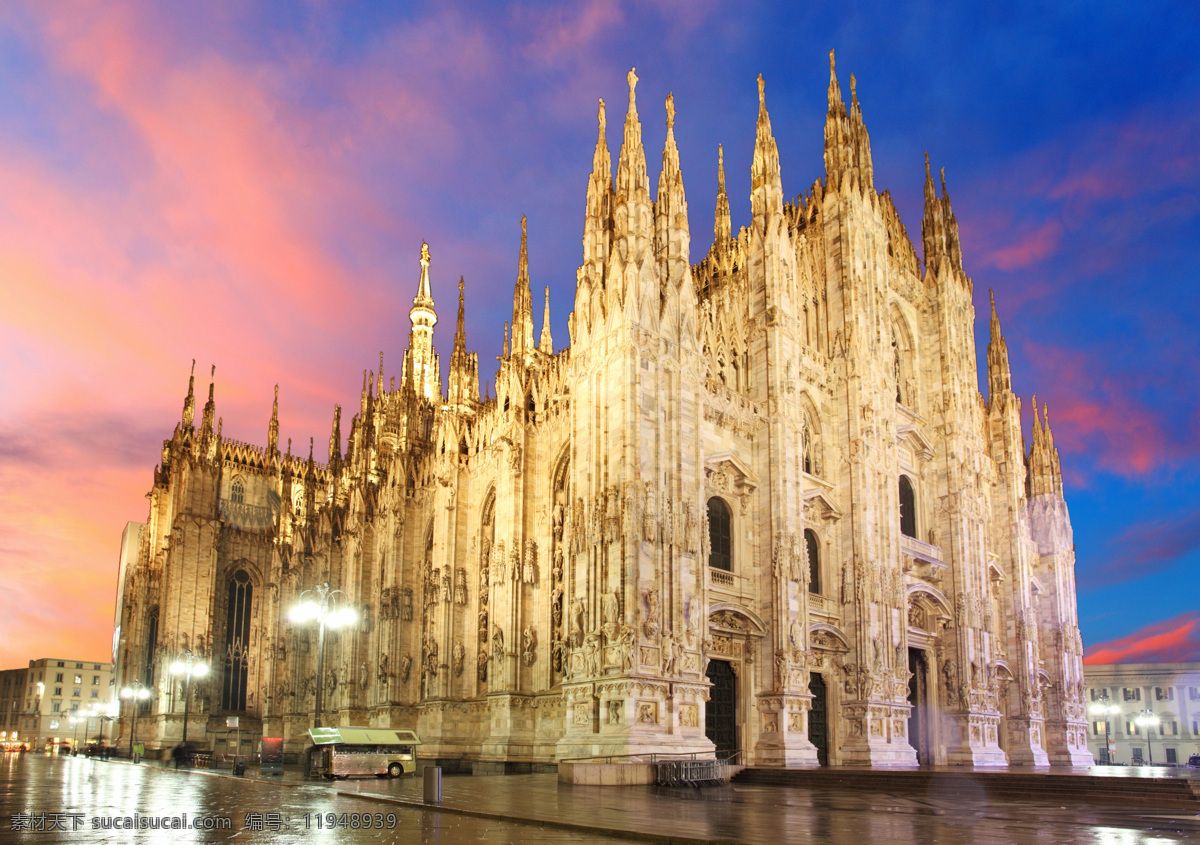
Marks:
<point>179,755</point>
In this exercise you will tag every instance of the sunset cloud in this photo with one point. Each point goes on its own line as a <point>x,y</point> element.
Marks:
<point>1175,640</point>
<point>249,185</point>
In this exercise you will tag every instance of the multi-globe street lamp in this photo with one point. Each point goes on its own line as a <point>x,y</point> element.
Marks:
<point>136,693</point>
<point>322,604</point>
<point>1103,707</point>
<point>190,666</point>
<point>1147,721</point>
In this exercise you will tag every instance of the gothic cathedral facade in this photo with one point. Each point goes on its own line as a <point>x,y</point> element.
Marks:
<point>758,505</point>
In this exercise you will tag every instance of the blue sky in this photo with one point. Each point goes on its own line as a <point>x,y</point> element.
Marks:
<point>249,185</point>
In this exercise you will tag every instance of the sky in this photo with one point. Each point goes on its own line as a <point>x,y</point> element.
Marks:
<point>248,185</point>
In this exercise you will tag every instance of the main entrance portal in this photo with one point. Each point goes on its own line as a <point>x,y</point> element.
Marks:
<point>720,719</point>
<point>918,697</point>
<point>818,733</point>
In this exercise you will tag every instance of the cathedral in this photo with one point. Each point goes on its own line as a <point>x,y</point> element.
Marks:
<point>759,508</point>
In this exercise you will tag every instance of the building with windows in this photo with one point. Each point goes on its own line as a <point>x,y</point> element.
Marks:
<point>758,505</point>
<point>1143,713</point>
<point>48,703</point>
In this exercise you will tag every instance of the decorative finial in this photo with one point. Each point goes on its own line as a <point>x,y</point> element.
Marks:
<point>832,67</point>
<point>276,393</point>
<point>720,167</point>
<point>762,92</point>
<point>853,87</point>
<point>460,286</point>
<point>213,374</point>
<point>632,77</point>
<point>670,111</point>
<point>424,252</point>
<point>600,117</point>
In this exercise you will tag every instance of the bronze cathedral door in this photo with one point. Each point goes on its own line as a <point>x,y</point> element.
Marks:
<point>720,716</point>
<point>818,733</point>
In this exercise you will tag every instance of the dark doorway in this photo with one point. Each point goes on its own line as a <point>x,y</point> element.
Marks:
<point>720,717</point>
<point>918,697</point>
<point>818,732</point>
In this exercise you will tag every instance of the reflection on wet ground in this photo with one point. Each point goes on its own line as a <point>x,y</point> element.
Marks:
<point>77,800</point>
<point>536,808</point>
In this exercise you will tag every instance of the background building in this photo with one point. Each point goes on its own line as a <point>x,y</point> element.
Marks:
<point>759,505</point>
<point>40,702</point>
<point>1118,695</point>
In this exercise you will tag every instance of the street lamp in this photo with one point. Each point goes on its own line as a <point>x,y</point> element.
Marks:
<point>320,603</point>
<point>190,666</point>
<point>75,733</point>
<point>1148,721</point>
<point>1103,707</point>
<point>136,692</point>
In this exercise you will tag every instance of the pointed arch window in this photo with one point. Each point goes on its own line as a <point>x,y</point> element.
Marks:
<point>237,491</point>
<point>812,547</point>
<point>720,544</point>
<point>151,654</point>
<point>240,600</point>
<point>908,508</point>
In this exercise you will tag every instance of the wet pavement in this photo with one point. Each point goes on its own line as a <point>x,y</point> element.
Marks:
<point>536,808</point>
<point>46,800</point>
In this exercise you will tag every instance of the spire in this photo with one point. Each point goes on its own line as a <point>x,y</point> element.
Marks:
<point>423,295</point>
<point>1045,468</point>
<point>632,180</point>
<point>464,366</point>
<point>546,343</point>
<point>210,406</point>
<point>766,185</point>
<point>379,376</point>
<point>670,208</point>
<point>189,402</point>
<point>939,229</point>
<point>426,379</point>
<point>273,426</point>
<point>335,438</point>
<point>722,227</point>
<point>598,215</point>
<point>506,338</point>
<point>522,318</point>
<point>460,328</point>
<point>999,373</point>
<point>835,92</point>
<point>847,144</point>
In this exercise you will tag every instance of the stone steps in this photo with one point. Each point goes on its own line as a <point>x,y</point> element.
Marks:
<point>976,785</point>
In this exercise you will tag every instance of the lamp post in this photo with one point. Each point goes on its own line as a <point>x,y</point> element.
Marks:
<point>320,603</point>
<point>1103,707</point>
<point>75,734</point>
<point>1148,721</point>
<point>136,692</point>
<point>190,666</point>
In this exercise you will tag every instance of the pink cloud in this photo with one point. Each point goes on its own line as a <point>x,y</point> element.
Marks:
<point>1174,640</point>
<point>1097,412</point>
<point>1033,245</point>
<point>557,35</point>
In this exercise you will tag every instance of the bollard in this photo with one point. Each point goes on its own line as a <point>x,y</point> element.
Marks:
<point>433,784</point>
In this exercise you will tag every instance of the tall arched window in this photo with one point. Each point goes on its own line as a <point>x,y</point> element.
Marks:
<point>814,560</point>
<point>151,654</point>
<point>237,641</point>
<point>720,554</point>
<point>908,508</point>
<point>237,491</point>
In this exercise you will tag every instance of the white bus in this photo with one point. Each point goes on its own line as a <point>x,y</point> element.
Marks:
<point>382,752</point>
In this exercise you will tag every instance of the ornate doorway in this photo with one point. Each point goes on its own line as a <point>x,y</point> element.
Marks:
<point>918,697</point>
<point>818,732</point>
<point>720,719</point>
